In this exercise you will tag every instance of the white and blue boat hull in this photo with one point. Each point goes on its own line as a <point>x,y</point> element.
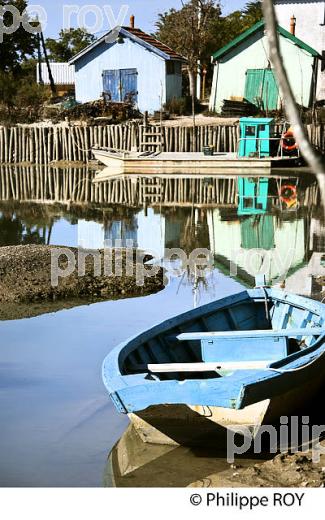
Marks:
<point>190,407</point>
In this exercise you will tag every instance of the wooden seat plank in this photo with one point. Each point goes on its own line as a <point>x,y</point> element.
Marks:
<point>208,367</point>
<point>281,333</point>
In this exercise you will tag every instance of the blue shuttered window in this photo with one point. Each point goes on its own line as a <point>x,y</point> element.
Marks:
<point>121,85</point>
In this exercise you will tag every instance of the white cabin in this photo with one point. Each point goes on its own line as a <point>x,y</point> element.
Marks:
<point>309,27</point>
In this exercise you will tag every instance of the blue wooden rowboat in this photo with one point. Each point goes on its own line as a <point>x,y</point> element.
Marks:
<point>245,360</point>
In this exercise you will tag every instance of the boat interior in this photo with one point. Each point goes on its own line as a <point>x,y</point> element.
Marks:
<point>252,333</point>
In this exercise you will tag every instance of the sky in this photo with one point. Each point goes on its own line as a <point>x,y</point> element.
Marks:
<point>145,11</point>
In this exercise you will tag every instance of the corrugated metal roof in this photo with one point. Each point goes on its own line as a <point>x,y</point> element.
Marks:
<point>63,73</point>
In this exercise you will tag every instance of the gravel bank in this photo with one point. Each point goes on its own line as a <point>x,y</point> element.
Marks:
<point>25,277</point>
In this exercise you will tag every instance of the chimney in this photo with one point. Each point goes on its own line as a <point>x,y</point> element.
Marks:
<point>293,21</point>
<point>132,21</point>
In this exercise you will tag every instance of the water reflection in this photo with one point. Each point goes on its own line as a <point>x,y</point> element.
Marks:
<point>133,463</point>
<point>273,225</point>
<point>57,417</point>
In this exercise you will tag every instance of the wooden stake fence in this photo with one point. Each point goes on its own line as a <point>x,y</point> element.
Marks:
<point>43,145</point>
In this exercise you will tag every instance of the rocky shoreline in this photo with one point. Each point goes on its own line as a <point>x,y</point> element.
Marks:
<point>26,278</point>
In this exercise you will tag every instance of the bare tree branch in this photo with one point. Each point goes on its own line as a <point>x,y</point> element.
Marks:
<point>314,160</point>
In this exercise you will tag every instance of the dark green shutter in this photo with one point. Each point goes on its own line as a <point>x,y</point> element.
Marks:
<point>261,88</point>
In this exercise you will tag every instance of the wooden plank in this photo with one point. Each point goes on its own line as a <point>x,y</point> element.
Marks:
<point>209,367</point>
<point>284,333</point>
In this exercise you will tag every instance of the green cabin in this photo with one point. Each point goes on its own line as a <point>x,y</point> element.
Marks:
<point>243,70</point>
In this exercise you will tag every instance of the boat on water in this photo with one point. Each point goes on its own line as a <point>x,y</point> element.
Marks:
<point>242,361</point>
<point>259,150</point>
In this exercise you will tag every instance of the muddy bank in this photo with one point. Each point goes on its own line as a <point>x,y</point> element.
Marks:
<point>133,463</point>
<point>27,282</point>
<point>297,470</point>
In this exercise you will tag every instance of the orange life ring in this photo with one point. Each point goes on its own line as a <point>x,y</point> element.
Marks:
<point>288,195</point>
<point>288,136</point>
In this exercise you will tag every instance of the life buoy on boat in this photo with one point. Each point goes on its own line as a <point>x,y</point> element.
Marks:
<point>288,195</point>
<point>288,141</point>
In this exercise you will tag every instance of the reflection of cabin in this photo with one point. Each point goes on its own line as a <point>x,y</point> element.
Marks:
<point>250,243</point>
<point>144,231</point>
<point>317,236</point>
<point>122,233</point>
<point>147,230</point>
<point>303,281</point>
<point>242,70</point>
<point>92,235</point>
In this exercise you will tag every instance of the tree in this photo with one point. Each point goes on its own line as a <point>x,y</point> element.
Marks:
<point>198,29</point>
<point>190,31</point>
<point>252,13</point>
<point>239,21</point>
<point>8,90</point>
<point>70,42</point>
<point>18,46</point>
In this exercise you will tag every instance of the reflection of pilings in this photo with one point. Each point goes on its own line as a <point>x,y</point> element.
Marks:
<point>312,197</point>
<point>40,184</point>
<point>65,185</point>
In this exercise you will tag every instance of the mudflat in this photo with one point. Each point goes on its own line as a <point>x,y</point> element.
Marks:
<point>26,277</point>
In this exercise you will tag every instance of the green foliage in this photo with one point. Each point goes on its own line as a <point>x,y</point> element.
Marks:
<point>7,89</point>
<point>190,30</point>
<point>21,98</point>
<point>18,46</point>
<point>238,22</point>
<point>198,38</point>
<point>70,42</point>
<point>30,94</point>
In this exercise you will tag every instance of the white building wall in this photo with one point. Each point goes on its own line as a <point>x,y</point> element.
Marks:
<point>310,26</point>
<point>230,73</point>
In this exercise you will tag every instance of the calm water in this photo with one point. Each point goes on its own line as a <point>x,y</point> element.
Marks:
<point>57,423</point>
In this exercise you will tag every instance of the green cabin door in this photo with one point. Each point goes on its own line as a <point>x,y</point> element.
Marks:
<point>270,91</point>
<point>261,88</point>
